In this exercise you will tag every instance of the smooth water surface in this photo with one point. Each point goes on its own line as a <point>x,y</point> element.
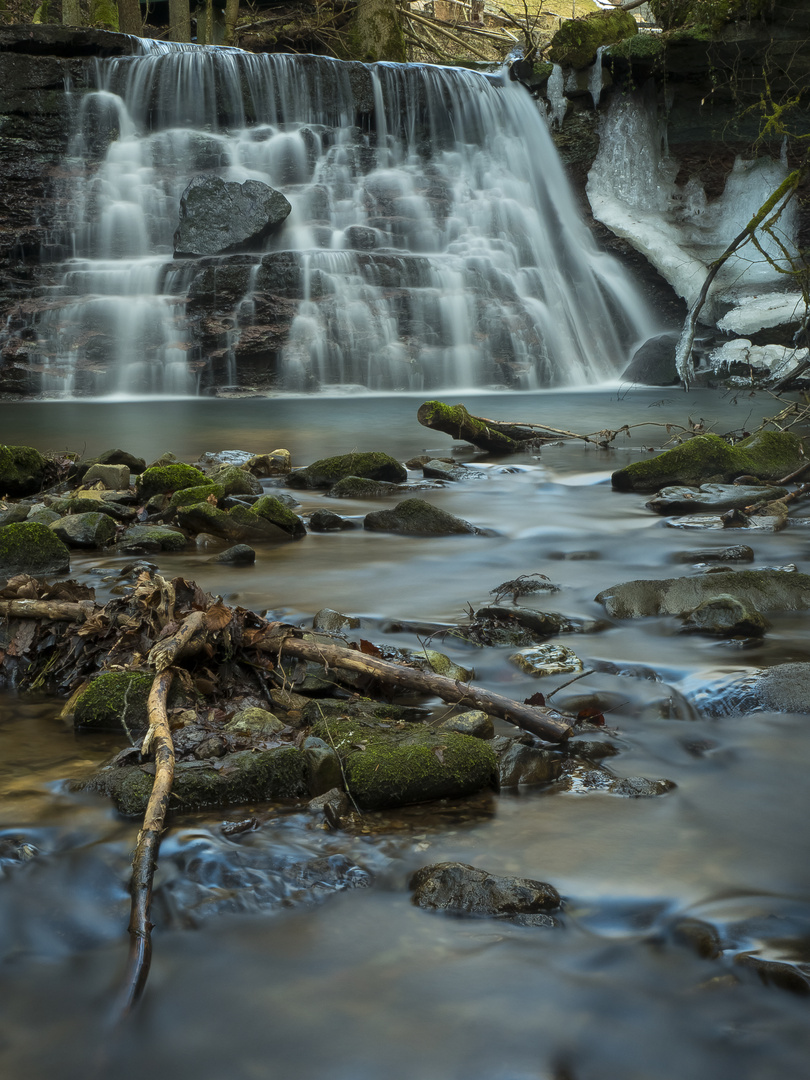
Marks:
<point>259,972</point>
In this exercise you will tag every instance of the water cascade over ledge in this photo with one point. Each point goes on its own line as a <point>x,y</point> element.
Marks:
<point>433,240</point>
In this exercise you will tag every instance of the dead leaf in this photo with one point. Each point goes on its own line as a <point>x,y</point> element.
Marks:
<point>217,616</point>
<point>368,648</point>
<point>535,699</point>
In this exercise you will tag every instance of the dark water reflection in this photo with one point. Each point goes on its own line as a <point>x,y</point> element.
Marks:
<point>289,951</point>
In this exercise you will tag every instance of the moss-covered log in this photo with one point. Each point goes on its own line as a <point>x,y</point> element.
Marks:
<point>456,421</point>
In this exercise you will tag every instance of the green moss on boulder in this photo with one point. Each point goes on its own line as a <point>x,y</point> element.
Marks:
<point>28,547</point>
<point>399,764</point>
<point>161,479</point>
<point>239,525</point>
<point>115,701</point>
<point>273,510</point>
<point>373,465</point>
<point>22,471</point>
<point>416,517</point>
<point>576,42</point>
<point>191,495</point>
<point>768,455</point>
<point>279,772</point>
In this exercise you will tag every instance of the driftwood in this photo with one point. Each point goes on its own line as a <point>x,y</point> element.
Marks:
<point>143,865</point>
<point>490,435</point>
<point>543,722</point>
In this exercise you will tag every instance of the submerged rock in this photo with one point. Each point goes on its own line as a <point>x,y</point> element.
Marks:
<point>325,521</point>
<point>520,764</point>
<point>467,890</point>
<point>238,555</point>
<point>725,616</point>
<point>27,547</point>
<point>768,455</point>
<point>719,497</point>
<point>372,465</point>
<point>739,553</point>
<point>415,517</point>
<point>395,764</point>
<point>782,688</point>
<point>760,590</point>
<point>544,660</point>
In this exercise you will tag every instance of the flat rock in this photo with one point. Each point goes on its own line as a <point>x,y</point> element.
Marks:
<point>467,890</point>
<point>725,616</point>
<point>416,517</point>
<point>762,590</point>
<point>717,497</point>
<point>738,553</point>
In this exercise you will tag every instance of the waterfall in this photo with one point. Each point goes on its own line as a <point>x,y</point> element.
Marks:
<point>433,240</point>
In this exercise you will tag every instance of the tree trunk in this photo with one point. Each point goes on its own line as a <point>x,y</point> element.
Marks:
<point>179,21</point>
<point>376,33</point>
<point>72,13</point>
<point>130,20</point>
<point>231,17</point>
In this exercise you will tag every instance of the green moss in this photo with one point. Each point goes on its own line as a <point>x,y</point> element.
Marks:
<point>115,700</point>
<point>710,15</point>
<point>416,517</point>
<point>373,465</point>
<point>576,42</point>
<point>31,548</point>
<point>201,493</point>
<point>22,470</point>
<point>769,455</point>
<point>277,773</point>
<point>644,47</point>
<point>360,487</point>
<point>399,764</point>
<point>104,13</point>
<point>273,510</point>
<point>161,479</point>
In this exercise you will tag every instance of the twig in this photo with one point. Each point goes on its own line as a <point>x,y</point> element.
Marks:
<point>562,686</point>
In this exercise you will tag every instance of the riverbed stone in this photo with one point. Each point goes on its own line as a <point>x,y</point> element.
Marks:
<point>767,455</point>
<point>331,621</point>
<point>548,659</point>
<point>372,465</point>
<point>416,517</point>
<point>111,477</point>
<point>762,590</point>
<point>17,512</point>
<point>716,497</point>
<point>274,511</point>
<point>276,463</point>
<point>220,216</point>
<point>738,553</point>
<point>775,973</point>
<point>255,722</point>
<point>41,514</point>
<point>143,539</point>
<point>781,688</point>
<point>85,530</point>
<point>239,525</point>
<point>396,764</point>
<point>27,547</point>
<point>467,890</point>
<point>325,521</point>
<point>360,487</point>
<point>22,471</point>
<point>188,496</point>
<point>161,479</point>
<point>237,555</point>
<point>725,616</point>
<point>323,766</point>
<point>519,764</point>
<point>475,723</point>
<point>278,772</point>
<point>235,480</point>
<point>110,457</point>
<point>437,469</point>
<point>115,701</point>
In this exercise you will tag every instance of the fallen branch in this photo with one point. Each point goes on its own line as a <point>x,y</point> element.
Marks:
<point>543,722</point>
<point>143,865</point>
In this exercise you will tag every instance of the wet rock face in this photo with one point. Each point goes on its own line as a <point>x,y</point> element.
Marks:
<point>218,217</point>
<point>467,890</point>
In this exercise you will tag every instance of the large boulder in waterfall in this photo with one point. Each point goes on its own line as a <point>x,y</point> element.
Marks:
<point>575,43</point>
<point>22,471</point>
<point>220,216</point>
<point>768,455</point>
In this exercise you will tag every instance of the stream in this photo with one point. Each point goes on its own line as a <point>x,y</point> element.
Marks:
<point>288,950</point>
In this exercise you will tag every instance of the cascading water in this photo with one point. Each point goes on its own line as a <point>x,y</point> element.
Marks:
<point>433,240</point>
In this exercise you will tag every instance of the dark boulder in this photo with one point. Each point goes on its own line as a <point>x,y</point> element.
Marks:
<point>219,216</point>
<point>467,890</point>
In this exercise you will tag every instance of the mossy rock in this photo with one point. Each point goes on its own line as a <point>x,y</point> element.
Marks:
<point>150,538</point>
<point>758,590</point>
<point>273,510</point>
<point>360,487</point>
<point>22,471</point>
<point>161,479</point>
<point>706,14</point>
<point>373,465</point>
<point>769,455</point>
<point>238,525</point>
<point>200,493</point>
<point>576,42</point>
<point>90,530</point>
<point>416,517</point>
<point>387,765</point>
<point>235,481</point>
<point>115,701</point>
<point>279,772</point>
<point>28,547</point>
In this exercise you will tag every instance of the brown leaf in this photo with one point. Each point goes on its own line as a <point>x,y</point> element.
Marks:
<point>591,716</point>
<point>217,616</point>
<point>368,648</point>
<point>535,699</point>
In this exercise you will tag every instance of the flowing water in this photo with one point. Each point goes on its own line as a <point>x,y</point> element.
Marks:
<point>433,239</point>
<point>286,950</point>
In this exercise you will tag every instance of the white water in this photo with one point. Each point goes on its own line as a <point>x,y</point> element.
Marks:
<point>435,239</point>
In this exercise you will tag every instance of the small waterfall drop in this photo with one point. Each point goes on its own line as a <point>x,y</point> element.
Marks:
<point>433,240</point>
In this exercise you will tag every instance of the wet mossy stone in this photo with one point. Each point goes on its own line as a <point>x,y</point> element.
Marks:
<point>85,530</point>
<point>20,512</point>
<point>239,525</point>
<point>768,455</point>
<point>197,494</point>
<point>360,487</point>
<point>279,772</point>
<point>725,616</point>
<point>387,765</point>
<point>161,479</point>
<point>416,517</point>
<point>109,457</point>
<point>235,481</point>
<point>273,510</point>
<point>27,547</point>
<point>372,465</point>
<point>80,504</point>
<point>716,497</point>
<point>576,42</point>
<point>115,701</point>
<point>148,538</point>
<point>758,590</point>
<point>468,890</point>
<point>22,471</point>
